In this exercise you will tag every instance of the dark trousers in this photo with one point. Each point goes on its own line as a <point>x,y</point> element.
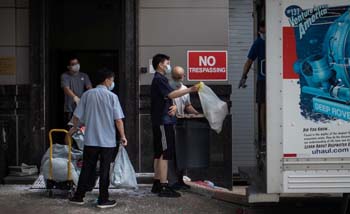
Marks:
<point>67,117</point>
<point>88,171</point>
<point>175,175</point>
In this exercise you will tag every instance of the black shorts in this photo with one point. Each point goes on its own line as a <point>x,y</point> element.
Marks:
<point>260,91</point>
<point>164,141</point>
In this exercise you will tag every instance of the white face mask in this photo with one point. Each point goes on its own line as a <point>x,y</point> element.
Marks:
<point>75,68</point>
<point>112,86</point>
<point>168,69</point>
<point>262,36</point>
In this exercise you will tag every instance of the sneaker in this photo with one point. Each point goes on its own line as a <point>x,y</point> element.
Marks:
<point>76,200</point>
<point>168,192</point>
<point>178,186</point>
<point>106,204</point>
<point>156,187</point>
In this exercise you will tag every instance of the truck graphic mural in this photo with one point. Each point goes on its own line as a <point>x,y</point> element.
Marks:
<point>321,40</point>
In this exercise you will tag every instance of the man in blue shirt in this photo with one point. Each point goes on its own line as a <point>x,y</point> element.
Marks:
<point>163,118</point>
<point>99,109</point>
<point>257,51</point>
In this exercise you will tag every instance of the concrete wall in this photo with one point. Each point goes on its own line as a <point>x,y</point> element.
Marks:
<point>14,39</point>
<point>241,36</point>
<point>173,27</point>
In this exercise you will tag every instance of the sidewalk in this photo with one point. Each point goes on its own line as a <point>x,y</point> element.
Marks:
<point>21,199</point>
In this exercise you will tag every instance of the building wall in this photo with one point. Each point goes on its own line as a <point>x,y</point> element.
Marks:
<point>15,82</point>
<point>173,27</point>
<point>241,36</point>
<point>14,39</point>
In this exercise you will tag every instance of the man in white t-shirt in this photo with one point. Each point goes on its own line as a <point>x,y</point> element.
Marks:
<point>183,106</point>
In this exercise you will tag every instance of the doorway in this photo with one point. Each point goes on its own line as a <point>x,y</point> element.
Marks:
<point>100,33</point>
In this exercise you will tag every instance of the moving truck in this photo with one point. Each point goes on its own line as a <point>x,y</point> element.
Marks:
<point>308,100</point>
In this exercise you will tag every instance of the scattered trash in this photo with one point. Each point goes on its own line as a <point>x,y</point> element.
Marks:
<point>23,170</point>
<point>209,184</point>
<point>185,178</point>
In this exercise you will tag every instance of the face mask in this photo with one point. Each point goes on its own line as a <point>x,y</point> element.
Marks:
<point>168,69</point>
<point>111,87</point>
<point>262,36</point>
<point>75,68</point>
<point>175,84</point>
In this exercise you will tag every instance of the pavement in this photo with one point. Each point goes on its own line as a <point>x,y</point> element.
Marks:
<point>24,200</point>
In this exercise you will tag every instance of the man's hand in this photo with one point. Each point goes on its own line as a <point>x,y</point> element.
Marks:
<point>124,141</point>
<point>76,99</point>
<point>194,88</point>
<point>72,130</point>
<point>242,82</point>
<point>172,110</point>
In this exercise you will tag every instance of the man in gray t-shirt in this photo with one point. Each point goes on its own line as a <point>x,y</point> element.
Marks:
<point>73,83</point>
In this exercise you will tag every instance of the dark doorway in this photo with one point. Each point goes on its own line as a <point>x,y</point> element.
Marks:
<point>91,61</point>
<point>101,33</point>
<point>87,30</point>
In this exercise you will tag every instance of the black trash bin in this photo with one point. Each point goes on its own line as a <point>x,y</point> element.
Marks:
<point>192,143</point>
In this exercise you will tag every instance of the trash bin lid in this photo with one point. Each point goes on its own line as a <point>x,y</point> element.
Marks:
<point>189,116</point>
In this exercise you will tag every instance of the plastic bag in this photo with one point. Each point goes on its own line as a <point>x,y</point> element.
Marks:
<point>61,151</point>
<point>79,138</point>
<point>214,109</point>
<point>59,170</point>
<point>123,174</point>
<point>59,163</point>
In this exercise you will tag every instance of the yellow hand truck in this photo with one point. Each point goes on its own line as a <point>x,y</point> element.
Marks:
<point>51,184</point>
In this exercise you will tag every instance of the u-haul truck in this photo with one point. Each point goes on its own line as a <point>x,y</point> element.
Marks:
<point>308,98</point>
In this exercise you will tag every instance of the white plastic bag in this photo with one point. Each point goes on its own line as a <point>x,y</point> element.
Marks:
<point>214,109</point>
<point>61,151</point>
<point>79,138</point>
<point>59,170</point>
<point>123,174</point>
<point>59,163</point>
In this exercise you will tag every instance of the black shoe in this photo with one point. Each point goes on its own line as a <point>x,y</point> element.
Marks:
<point>180,186</point>
<point>106,204</point>
<point>168,192</point>
<point>76,200</point>
<point>156,187</point>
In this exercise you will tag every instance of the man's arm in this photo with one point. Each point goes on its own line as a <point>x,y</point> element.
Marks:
<point>70,93</point>
<point>182,92</point>
<point>189,108</point>
<point>120,126</point>
<point>246,69</point>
